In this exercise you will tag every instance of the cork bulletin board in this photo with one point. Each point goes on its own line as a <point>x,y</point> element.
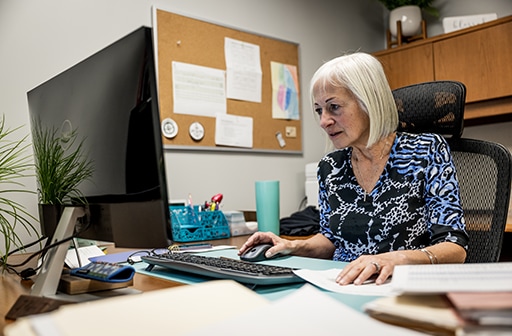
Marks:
<point>180,38</point>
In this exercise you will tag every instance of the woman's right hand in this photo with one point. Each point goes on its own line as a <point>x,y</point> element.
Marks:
<point>281,245</point>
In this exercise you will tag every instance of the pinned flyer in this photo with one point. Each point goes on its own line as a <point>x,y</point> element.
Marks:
<point>235,131</point>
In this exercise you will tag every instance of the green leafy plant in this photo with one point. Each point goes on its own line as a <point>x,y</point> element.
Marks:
<point>61,165</point>
<point>425,5</point>
<point>14,165</point>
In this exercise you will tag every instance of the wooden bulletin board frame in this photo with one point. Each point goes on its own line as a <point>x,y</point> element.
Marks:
<point>189,40</point>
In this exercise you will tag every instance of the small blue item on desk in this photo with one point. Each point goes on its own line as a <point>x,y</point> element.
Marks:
<point>189,223</point>
<point>104,271</point>
<point>113,257</point>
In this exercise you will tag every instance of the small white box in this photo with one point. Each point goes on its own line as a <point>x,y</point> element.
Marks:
<point>237,224</point>
<point>311,184</point>
<point>454,23</point>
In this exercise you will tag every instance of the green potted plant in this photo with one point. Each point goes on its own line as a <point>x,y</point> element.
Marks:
<point>14,165</point>
<point>61,166</point>
<point>425,5</point>
<point>409,13</point>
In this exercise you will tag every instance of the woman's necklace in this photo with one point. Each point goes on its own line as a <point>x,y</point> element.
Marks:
<point>369,181</point>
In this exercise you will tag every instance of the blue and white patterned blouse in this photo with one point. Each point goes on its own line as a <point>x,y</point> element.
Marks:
<point>415,203</point>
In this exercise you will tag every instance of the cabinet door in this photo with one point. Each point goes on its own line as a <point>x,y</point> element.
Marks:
<point>482,60</point>
<point>407,66</point>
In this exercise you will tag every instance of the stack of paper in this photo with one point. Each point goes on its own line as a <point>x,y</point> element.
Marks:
<point>443,278</point>
<point>435,314</point>
<point>462,299</point>
<point>237,224</point>
<point>428,313</point>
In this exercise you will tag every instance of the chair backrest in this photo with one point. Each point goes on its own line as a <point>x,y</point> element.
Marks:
<point>484,173</point>
<point>484,169</point>
<point>432,107</point>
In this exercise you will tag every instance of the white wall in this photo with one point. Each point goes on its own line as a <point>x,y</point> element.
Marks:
<point>465,7</point>
<point>39,39</point>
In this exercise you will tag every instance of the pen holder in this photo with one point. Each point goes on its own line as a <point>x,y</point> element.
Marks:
<point>190,224</point>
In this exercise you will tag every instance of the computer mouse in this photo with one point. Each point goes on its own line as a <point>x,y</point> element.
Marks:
<point>256,253</point>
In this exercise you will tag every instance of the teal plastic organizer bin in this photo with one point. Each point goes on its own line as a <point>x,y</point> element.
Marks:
<point>194,225</point>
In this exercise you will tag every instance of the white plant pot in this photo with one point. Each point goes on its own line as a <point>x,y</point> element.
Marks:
<point>410,17</point>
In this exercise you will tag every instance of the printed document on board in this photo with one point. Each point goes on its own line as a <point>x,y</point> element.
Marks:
<point>243,70</point>
<point>231,130</point>
<point>198,90</point>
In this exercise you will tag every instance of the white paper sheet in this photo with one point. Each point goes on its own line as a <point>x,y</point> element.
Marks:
<point>198,90</point>
<point>442,278</point>
<point>243,70</point>
<point>171,311</point>
<point>306,311</point>
<point>85,253</point>
<point>326,279</point>
<point>231,130</point>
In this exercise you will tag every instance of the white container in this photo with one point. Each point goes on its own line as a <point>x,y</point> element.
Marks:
<point>410,16</point>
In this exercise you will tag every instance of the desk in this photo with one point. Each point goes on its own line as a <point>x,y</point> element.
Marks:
<point>270,293</point>
<point>11,287</point>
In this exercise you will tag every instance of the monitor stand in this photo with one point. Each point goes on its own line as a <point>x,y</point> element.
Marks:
<point>49,275</point>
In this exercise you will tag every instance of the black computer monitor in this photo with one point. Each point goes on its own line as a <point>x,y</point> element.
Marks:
<point>110,99</point>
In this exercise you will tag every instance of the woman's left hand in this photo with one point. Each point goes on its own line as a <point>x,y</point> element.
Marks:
<point>368,266</point>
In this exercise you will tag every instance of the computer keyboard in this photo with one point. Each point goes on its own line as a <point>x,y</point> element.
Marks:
<point>224,268</point>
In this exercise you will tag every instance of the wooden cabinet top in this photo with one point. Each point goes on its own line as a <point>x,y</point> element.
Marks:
<point>446,36</point>
<point>478,56</point>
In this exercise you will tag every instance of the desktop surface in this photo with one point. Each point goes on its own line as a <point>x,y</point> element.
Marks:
<point>11,287</point>
<point>272,292</point>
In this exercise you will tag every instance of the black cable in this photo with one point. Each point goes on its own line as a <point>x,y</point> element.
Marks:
<point>146,252</point>
<point>24,247</point>
<point>27,273</point>
<point>31,271</point>
<point>75,247</point>
<point>136,254</point>
<point>45,249</point>
<point>303,203</point>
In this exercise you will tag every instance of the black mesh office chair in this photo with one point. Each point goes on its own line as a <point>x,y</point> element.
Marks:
<point>484,169</point>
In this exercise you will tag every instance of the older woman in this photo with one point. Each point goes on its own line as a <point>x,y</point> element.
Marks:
<point>386,198</point>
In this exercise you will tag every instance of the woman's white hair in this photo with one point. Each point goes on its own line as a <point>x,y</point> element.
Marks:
<point>363,75</point>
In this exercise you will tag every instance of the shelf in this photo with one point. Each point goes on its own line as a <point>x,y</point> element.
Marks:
<point>478,56</point>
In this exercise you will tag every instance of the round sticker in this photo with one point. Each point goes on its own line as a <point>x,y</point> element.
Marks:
<point>169,128</point>
<point>196,131</point>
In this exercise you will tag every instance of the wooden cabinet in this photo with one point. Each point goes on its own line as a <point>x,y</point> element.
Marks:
<point>408,66</point>
<point>479,56</point>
